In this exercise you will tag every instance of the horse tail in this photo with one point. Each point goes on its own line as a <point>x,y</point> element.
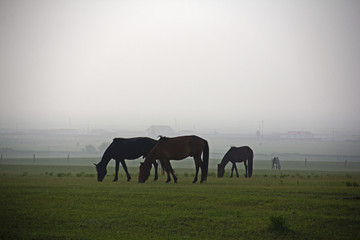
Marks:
<point>250,162</point>
<point>205,167</point>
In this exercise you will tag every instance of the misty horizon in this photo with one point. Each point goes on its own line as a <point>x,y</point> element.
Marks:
<point>202,65</point>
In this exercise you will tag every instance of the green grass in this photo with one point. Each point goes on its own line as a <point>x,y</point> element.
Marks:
<point>42,202</point>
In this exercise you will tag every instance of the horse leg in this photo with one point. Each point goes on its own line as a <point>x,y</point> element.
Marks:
<point>116,170</point>
<point>167,167</point>
<point>232,170</point>
<point>198,163</point>
<point>246,169</point>
<point>173,173</point>
<point>237,173</point>
<point>168,176</point>
<point>156,172</point>
<point>125,169</point>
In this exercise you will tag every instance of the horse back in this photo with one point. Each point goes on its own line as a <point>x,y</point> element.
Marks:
<point>239,154</point>
<point>132,148</point>
<point>180,147</point>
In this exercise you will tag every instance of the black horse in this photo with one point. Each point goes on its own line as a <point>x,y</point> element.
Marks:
<point>234,155</point>
<point>125,148</point>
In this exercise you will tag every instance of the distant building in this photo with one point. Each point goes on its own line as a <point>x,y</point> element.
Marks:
<point>156,130</point>
<point>298,135</point>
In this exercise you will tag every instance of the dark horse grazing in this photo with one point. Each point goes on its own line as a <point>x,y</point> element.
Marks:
<point>125,148</point>
<point>234,155</point>
<point>177,148</point>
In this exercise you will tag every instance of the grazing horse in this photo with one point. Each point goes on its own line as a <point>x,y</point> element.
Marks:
<point>234,155</point>
<point>275,163</point>
<point>177,148</point>
<point>125,148</point>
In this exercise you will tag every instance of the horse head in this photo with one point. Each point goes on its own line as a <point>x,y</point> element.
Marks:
<point>221,171</point>
<point>101,172</point>
<point>144,172</point>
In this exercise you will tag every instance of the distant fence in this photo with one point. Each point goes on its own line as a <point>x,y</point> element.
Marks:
<point>335,164</point>
<point>67,160</point>
<point>311,165</point>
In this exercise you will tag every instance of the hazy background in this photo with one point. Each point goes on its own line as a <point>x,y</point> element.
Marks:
<point>200,65</point>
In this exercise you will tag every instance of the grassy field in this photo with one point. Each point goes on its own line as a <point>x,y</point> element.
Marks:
<point>66,202</point>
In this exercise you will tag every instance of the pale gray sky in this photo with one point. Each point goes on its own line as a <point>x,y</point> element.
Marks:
<point>224,65</point>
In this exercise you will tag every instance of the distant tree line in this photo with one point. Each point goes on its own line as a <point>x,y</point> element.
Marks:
<point>87,150</point>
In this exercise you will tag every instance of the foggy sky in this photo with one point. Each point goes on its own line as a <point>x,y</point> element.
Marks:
<point>224,65</point>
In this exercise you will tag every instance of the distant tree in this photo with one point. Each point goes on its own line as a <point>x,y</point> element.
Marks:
<point>90,149</point>
<point>103,146</point>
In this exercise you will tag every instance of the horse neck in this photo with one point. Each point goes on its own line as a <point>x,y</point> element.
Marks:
<point>151,157</point>
<point>224,161</point>
<point>105,159</point>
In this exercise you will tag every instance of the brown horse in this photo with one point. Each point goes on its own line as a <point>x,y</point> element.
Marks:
<point>177,148</point>
<point>234,155</point>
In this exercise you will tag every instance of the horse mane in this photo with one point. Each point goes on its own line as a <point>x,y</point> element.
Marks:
<point>162,138</point>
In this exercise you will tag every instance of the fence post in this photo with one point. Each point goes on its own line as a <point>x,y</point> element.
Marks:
<point>345,163</point>
<point>305,162</point>
<point>34,157</point>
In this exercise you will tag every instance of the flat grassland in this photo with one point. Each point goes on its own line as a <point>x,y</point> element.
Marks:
<point>66,202</point>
